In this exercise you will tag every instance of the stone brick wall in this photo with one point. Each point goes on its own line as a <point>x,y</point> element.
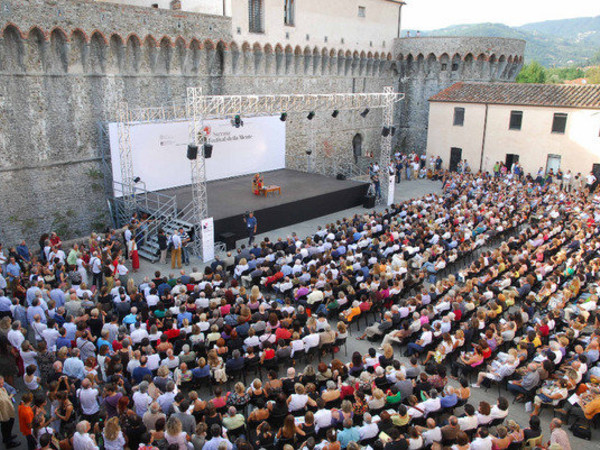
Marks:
<point>428,65</point>
<point>65,63</point>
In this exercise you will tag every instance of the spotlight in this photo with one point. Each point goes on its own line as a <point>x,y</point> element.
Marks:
<point>335,113</point>
<point>309,152</point>
<point>393,129</point>
<point>237,121</point>
<point>385,132</point>
<point>137,179</point>
<point>364,113</point>
<point>207,149</point>
<point>192,152</point>
<point>311,115</point>
<point>283,117</point>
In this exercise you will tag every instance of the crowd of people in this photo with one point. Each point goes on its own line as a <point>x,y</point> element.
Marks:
<point>493,282</point>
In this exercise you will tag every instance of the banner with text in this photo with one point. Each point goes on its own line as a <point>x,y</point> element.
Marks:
<point>391,189</point>
<point>208,239</point>
<point>159,150</point>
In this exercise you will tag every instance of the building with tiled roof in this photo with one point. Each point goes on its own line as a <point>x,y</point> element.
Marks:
<point>548,126</point>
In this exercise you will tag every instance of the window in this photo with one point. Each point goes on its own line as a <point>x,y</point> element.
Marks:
<point>459,117</point>
<point>559,124</point>
<point>454,67</point>
<point>444,66</point>
<point>362,11</point>
<point>516,119</point>
<point>255,14</point>
<point>289,13</point>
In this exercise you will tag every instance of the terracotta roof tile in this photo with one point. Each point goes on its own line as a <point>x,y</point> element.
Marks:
<point>556,95</point>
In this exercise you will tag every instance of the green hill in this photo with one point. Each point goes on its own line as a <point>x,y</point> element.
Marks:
<point>551,43</point>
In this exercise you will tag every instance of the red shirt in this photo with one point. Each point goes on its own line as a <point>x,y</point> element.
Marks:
<point>173,333</point>
<point>25,419</point>
<point>457,315</point>
<point>282,333</point>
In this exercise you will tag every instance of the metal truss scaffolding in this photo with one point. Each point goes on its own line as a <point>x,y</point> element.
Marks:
<point>199,108</point>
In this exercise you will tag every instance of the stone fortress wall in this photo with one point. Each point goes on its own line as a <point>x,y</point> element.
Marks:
<point>65,63</point>
<point>428,65</point>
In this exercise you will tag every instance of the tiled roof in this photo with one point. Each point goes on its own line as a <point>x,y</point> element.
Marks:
<point>556,95</point>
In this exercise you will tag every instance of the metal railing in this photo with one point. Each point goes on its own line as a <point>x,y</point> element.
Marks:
<point>159,207</point>
<point>328,166</point>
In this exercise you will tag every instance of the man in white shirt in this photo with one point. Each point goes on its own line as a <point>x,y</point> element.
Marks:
<point>311,340</point>
<point>138,334</point>
<point>323,415</point>
<point>96,267</point>
<point>483,441</point>
<point>15,335</point>
<point>82,440</point>
<point>432,404</point>
<point>50,335</point>
<point>432,433</point>
<point>369,430</point>
<point>469,421</point>
<point>590,182</point>
<point>500,409</point>
<point>141,399</point>
<point>88,399</point>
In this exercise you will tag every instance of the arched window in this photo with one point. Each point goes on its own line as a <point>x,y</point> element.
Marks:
<point>357,142</point>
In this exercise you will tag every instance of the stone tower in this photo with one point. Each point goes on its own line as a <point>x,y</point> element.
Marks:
<point>427,65</point>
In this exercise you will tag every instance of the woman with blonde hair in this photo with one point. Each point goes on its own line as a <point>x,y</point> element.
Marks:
<point>515,432</point>
<point>174,433</point>
<point>131,288</point>
<point>342,330</point>
<point>217,369</point>
<point>254,293</point>
<point>113,436</point>
<point>238,397</point>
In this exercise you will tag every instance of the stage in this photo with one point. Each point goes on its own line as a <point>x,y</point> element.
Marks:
<point>303,196</point>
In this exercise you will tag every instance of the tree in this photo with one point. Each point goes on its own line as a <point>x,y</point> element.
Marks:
<point>532,73</point>
<point>593,75</point>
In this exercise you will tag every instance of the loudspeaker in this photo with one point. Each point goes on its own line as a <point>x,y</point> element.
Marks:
<point>208,148</point>
<point>341,176</point>
<point>228,239</point>
<point>369,201</point>
<point>192,152</point>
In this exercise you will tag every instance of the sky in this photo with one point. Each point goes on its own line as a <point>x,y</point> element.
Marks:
<point>434,14</point>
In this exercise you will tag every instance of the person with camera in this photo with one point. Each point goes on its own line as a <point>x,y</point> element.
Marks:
<point>251,226</point>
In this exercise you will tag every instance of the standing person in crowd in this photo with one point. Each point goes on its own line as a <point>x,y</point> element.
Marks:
<point>251,226</point>
<point>7,415</point>
<point>176,250</point>
<point>162,245</point>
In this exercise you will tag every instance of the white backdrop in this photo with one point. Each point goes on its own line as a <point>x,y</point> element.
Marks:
<point>159,150</point>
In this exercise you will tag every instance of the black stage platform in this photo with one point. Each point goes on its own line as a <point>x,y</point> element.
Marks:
<point>303,196</point>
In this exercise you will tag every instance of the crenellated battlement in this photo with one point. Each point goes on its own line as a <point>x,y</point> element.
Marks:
<point>76,51</point>
<point>460,58</point>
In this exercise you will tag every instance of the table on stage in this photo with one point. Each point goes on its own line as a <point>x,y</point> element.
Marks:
<point>271,189</point>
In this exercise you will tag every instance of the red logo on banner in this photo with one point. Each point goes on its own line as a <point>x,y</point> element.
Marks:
<point>327,148</point>
<point>207,130</point>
